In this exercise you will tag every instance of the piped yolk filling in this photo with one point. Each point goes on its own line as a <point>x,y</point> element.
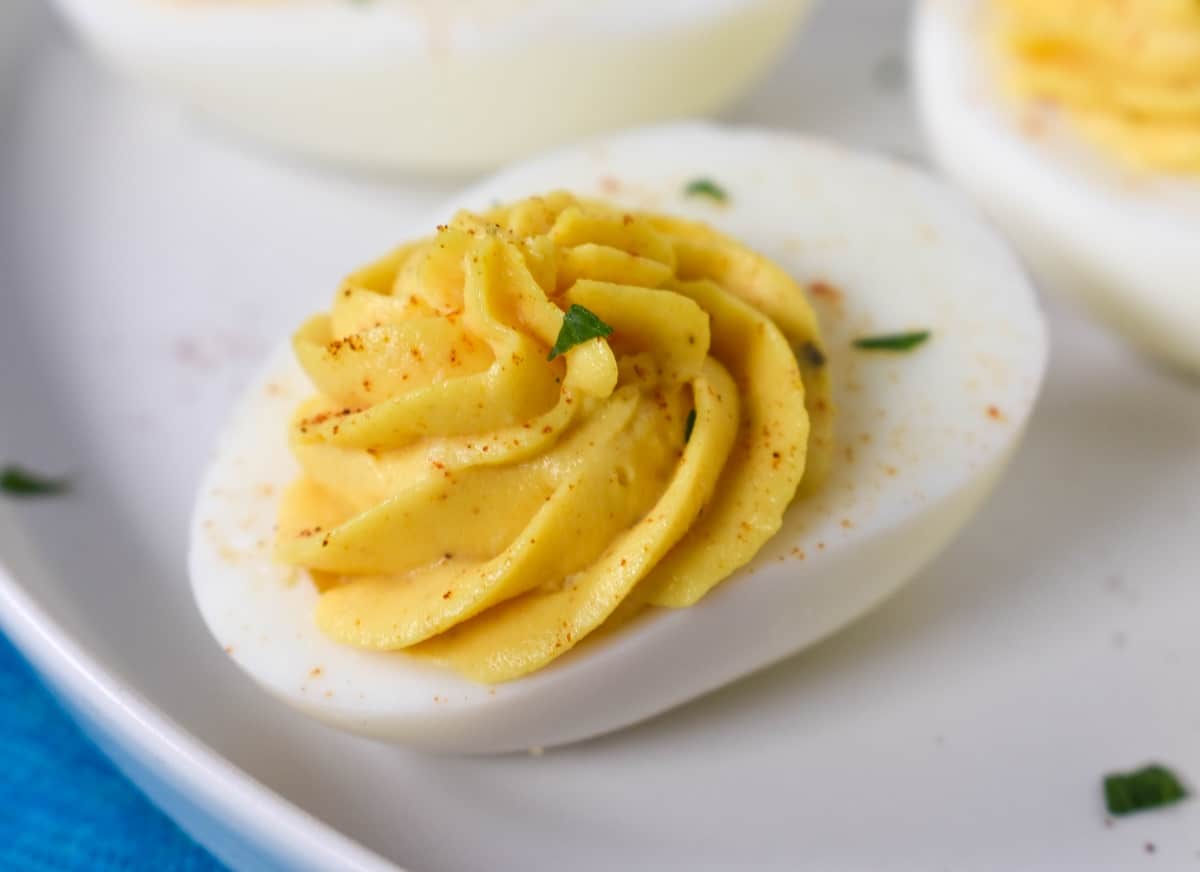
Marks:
<point>465,498</point>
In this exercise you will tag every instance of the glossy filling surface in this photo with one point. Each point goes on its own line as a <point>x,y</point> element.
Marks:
<point>542,419</point>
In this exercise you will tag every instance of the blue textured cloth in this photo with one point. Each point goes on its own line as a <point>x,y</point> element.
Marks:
<point>63,806</point>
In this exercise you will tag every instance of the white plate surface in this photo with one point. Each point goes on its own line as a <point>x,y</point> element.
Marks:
<point>147,263</point>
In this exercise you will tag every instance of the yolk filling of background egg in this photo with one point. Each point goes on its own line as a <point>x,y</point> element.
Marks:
<point>1127,74</point>
<point>467,499</point>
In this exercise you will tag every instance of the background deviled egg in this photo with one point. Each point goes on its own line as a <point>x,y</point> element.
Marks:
<point>1095,181</point>
<point>433,85</point>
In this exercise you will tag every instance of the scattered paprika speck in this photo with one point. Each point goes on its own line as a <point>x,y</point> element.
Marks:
<point>827,291</point>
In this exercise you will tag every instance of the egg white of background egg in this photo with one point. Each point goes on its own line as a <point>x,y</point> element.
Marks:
<point>1126,244</point>
<point>441,85</point>
<point>922,437</point>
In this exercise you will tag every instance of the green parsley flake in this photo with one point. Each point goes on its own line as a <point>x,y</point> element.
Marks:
<point>689,425</point>
<point>706,188</point>
<point>893,341</point>
<point>579,325</point>
<point>1150,787</point>
<point>19,482</point>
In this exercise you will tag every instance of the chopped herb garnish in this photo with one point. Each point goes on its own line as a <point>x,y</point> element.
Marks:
<point>1150,787</point>
<point>579,325</point>
<point>689,425</point>
<point>812,354</point>
<point>706,188</point>
<point>20,482</point>
<point>893,341</point>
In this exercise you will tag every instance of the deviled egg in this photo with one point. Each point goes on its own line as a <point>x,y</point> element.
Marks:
<point>443,85</point>
<point>616,427</point>
<point>1076,124</point>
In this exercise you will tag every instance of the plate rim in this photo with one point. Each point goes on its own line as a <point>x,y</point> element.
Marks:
<point>244,806</point>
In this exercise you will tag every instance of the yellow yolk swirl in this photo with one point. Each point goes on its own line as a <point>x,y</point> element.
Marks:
<point>467,499</point>
<point>1127,73</point>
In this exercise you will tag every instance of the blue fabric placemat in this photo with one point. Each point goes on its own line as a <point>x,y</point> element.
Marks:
<point>63,806</point>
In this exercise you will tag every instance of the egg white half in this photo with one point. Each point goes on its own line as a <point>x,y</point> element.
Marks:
<point>1126,244</point>
<point>922,437</point>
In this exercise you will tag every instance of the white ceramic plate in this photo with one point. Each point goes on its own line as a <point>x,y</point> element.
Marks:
<point>146,264</point>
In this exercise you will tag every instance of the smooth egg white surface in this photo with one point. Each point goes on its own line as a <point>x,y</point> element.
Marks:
<point>442,85</point>
<point>1125,243</point>
<point>922,437</point>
